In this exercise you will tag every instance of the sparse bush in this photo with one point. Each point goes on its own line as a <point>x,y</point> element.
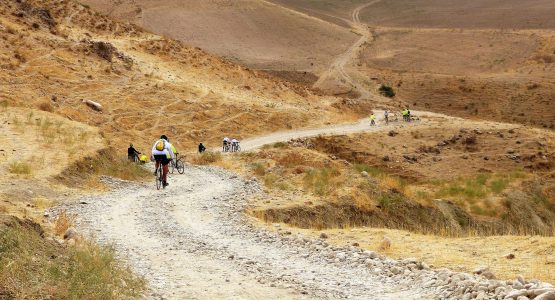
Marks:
<point>21,168</point>
<point>46,106</point>
<point>320,180</point>
<point>32,268</point>
<point>387,91</point>
<point>372,171</point>
<point>207,158</point>
<point>390,200</point>
<point>498,185</point>
<point>258,168</point>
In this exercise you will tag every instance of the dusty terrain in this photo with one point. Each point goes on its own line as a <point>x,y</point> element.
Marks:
<point>482,14</point>
<point>144,82</point>
<point>210,249</point>
<point>441,185</point>
<point>255,33</point>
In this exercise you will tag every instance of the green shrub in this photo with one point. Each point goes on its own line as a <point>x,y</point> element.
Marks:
<point>387,91</point>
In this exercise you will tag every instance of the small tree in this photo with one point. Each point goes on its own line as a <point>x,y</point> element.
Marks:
<point>387,91</point>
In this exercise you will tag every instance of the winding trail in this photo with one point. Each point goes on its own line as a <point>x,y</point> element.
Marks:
<point>362,125</point>
<point>337,71</point>
<point>193,240</point>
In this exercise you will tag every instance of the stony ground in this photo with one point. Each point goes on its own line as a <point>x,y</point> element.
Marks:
<point>193,240</point>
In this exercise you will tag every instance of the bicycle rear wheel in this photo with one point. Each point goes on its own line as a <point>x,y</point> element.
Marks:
<point>159,177</point>
<point>180,166</point>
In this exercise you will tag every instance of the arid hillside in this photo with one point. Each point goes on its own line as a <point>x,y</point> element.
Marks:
<point>483,14</point>
<point>56,55</point>
<point>486,74</point>
<point>255,33</point>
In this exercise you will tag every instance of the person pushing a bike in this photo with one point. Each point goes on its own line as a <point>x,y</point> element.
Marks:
<point>162,152</point>
<point>132,153</point>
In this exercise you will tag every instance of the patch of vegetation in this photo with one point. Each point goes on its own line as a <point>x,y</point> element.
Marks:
<point>320,180</point>
<point>498,185</point>
<point>390,200</point>
<point>387,91</point>
<point>372,171</point>
<point>34,268</point>
<point>105,162</point>
<point>280,145</point>
<point>207,158</point>
<point>258,168</point>
<point>20,168</point>
<point>273,181</point>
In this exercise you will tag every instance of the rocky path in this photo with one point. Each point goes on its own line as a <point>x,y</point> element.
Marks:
<point>194,241</point>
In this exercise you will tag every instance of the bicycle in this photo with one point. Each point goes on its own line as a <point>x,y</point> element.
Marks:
<point>159,176</point>
<point>177,164</point>
<point>235,147</point>
<point>227,147</point>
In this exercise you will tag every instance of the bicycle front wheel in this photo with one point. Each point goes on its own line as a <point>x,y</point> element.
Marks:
<point>180,167</point>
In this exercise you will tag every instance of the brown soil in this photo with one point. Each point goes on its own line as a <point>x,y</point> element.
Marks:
<point>151,85</point>
<point>255,33</point>
<point>446,149</point>
<point>491,75</point>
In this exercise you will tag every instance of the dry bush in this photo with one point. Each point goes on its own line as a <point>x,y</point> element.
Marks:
<point>104,50</point>
<point>46,106</point>
<point>21,168</point>
<point>207,158</point>
<point>292,159</point>
<point>63,222</point>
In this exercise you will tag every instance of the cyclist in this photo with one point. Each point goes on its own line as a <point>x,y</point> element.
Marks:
<point>226,141</point>
<point>201,148</point>
<point>234,145</point>
<point>132,153</point>
<point>176,153</point>
<point>386,116</point>
<point>372,120</point>
<point>162,152</point>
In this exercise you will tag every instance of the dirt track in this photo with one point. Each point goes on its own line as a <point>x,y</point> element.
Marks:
<point>193,241</point>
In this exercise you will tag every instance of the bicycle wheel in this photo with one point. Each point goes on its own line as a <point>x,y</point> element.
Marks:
<point>158,177</point>
<point>180,166</point>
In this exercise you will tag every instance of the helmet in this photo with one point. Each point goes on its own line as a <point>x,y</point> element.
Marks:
<point>164,137</point>
<point>131,145</point>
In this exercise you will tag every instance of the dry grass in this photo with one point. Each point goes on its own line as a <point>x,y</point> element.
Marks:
<point>207,158</point>
<point>34,268</point>
<point>20,168</point>
<point>104,162</point>
<point>63,222</point>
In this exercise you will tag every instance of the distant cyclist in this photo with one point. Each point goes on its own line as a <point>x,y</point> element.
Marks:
<point>234,145</point>
<point>162,152</point>
<point>201,148</point>
<point>386,116</point>
<point>226,141</point>
<point>372,120</point>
